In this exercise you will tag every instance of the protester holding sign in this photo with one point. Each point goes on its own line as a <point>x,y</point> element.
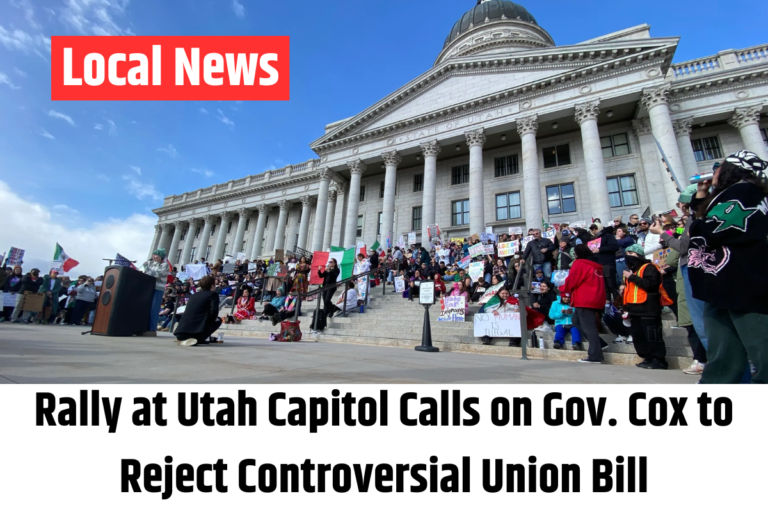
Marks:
<point>158,268</point>
<point>30,283</point>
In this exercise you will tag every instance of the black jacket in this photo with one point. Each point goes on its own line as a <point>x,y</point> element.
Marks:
<point>374,259</point>
<point>30,284</point>
<point>608,247</point>
<point>202,310</point>
<point>535,246</point>
<point>544,300</point>
<point>727,263</point>
<point>12,288</point>
<point>650,283</point>
<point>329,276</point>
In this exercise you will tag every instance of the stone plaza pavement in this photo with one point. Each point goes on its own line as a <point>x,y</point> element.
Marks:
<point>61,355</point>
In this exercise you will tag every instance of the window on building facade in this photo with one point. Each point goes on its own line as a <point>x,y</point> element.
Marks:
<point>247,223</point>
<point>561,199</point>
<point>622,191</point>
<point>192,254</point>
<point>362,193</point>
<point>418,180</point>
<point>460,174</point>
<point>707,148</point>
<point>764,131</point>
<point>213,230</point>
<point>207,253</point>
<point>359,226</point>
<point>615,145</point>
<point>557,156</point>
<point>242,249</point>
<point>225,248</point>
<point>197,233</point>
<point>229,227</point>
<point>416,218</point>
<point>378,224</point>
<point>295,242</point>
<point>178,257</point>
<point>183,235</point>
<point>460,212</point>
<point>381,190</point>
<point>508,206</point>
<point>506,166</point>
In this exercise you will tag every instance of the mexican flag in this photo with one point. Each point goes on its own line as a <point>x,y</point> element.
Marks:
<point>344,257</point>
<point>63,262</point>
<point>377,247</point>
<point>360,248</point>
<point>533,318</point>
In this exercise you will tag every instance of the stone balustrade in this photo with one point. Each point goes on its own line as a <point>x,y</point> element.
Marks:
<point>722,61</point>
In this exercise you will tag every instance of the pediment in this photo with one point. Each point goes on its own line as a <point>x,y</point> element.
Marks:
<point>463,83</point>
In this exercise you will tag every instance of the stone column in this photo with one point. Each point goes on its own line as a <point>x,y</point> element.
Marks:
<point>429,190</point>
<point>599,205</point>
<point>249,246</point>
<point>155,241</point>
<point>281,220</point>
<point>218,252</point>
<point>242,220</point>
<point>391,160</point>
<point>356,169</point>
<point>527,128</point>
<point>258,236</point>
<point>655,102</point>
<point>657,181</point>
<point>306,209</point>
<point>475,141</point>
<point>165,238</point>
<point>175,243</point>
<point>322,207</point>
<point>682,129</point>
<point>205,235</point>
<point>747,120</point>
<point>330,214</point>
<point>193,225</point>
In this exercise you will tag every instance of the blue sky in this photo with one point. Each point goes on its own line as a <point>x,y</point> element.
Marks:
<point>92,169</point>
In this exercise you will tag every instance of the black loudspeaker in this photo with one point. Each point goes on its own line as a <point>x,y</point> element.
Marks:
<point>125,302</point>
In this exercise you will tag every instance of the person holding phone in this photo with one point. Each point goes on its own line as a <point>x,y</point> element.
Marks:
<point>562,312</point>
<point>330,274</point>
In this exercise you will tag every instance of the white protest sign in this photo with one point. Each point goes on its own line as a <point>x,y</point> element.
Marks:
<point>252,267</point>
<point>427,292</point>
<point>498,325</point>
<point>525,241</point>
<point>550,233</point>
<point>9,300</point>
<point>489,249</point>
<point>476,251</point>
<point>475,270</point>
<point>412,238</point>
<point>399,284</point>
<point>451,309</point>
<point>241,256</point>
<point>508,249</point>
<point>182,276</point>
<point>515,230</point>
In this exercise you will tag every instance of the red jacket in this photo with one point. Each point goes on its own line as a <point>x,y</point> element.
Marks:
<point>586,285</point>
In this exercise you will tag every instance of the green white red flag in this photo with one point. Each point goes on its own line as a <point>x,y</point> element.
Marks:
<point>345,258</point>
<point>61,261</point>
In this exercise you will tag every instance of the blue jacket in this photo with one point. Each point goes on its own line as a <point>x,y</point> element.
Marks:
<point>556,313</point>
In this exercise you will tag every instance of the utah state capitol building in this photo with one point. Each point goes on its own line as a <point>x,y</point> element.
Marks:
<point>506,129</point>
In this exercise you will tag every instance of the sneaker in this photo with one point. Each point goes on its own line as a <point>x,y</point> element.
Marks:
<point>644,364</point>
<point>578,346</point>
<point>588,360</point>
<point>629,340</point>
<point>191,342</point>
<point>656,365</point>
<point>696,368</point>
<point>620,339</point>
<point>557,346</point>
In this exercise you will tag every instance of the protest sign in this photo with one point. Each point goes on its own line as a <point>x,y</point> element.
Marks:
<point>464,262</point>
<point>508,249</point>
<point>660,257</point>
<point>33,302</point>
<point>476,251</point>
<point>362,287</point>
<point>550,233</point>
<point>9,300</point>
<point>15,256</point>
<point>252,267</point>
<point>399,284</point>
<point>594,244</point>
<point>489,249</point>
<point>272,270</point>
<point>457,240</point>
<point>490,292</point>
<point>240,256</point>
<point>475,270</point>
<point>524,242</point>
<point>451,309</point>
<point>412,238</point>
<point>444,255</point>
<point>291,266</point>
<point>535,287</point>
<point>228,268</point>
<point>401,241</point>
<point>196,271</point>
<point>489,229</point>
<point>182,276</point>
<point>515,230</point>
<point>487,238</point>
<point>498,325</point>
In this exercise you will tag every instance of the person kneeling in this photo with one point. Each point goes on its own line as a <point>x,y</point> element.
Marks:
<point>351,295</point>
<point>201,316</point>
<point>562,313</point>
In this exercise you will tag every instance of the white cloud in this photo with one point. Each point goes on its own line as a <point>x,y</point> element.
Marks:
<point>130,237</point>
<point>5,80</point>
<point>204,172</point>
<point>203,111</point>
<point>238,9</point>
<point>98,126</point>
<point>20,72</point>
<point>134,122</point>
<point>59,115</point>
<point>135,169</point>
<point>95,17</point>
<point>102,177</point>
<point>224,119</point>
<point>20,40</point>
<point>170,150</point>
<point>61,210</point>
<point>29,11</point>
<point>44,133</point>
<point>112,127</point>
<point>141,190</point>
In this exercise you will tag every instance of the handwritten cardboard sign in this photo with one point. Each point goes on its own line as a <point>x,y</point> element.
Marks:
<point>501,325</point>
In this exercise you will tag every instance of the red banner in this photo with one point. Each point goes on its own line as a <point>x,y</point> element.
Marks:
<point>163,68</point>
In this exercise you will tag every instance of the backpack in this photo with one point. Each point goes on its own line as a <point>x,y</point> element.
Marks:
<point>289,331</point>
<point>319,321</point>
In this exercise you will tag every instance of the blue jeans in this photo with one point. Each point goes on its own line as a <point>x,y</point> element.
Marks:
<point>547,267</point>
<point>621,266</point>
<point>487,278</point>
<point>695,308</point>
<point>154,313</point>
<point>561,330</point>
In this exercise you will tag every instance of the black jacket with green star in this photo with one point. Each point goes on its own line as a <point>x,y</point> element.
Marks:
<point>728,252</point>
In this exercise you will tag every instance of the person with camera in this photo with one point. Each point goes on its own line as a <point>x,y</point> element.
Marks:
<point>729,243</point>
<point>30,283</point>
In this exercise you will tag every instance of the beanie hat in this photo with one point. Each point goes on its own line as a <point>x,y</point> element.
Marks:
<point>686,196</point>
<point>618,218</point>
<point>159,252</point>
<point>646,220</point>
<point>635,248</point>
<point>565,295</point>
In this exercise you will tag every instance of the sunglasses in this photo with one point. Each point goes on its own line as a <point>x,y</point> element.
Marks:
<point>644,223</point>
